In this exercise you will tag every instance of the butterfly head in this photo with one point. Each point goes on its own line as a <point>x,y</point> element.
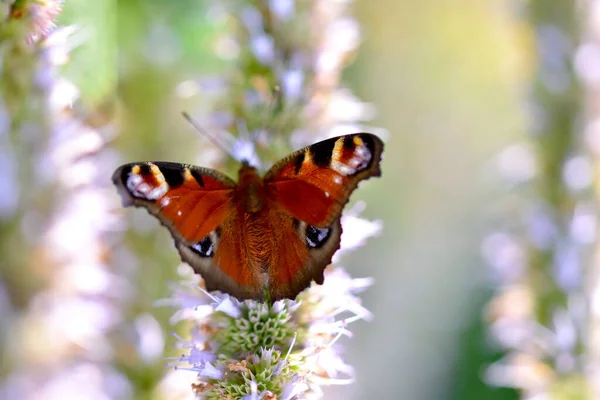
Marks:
<point>244,150</point>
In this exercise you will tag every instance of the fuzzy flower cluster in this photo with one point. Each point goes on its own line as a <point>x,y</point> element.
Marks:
<point>58,347</point>
<point>541,260</point>
<point>41,15</point>
<point>285,350</point>
<point>587,65</point>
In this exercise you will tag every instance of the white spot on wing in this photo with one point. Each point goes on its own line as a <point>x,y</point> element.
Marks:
<point>363,152</point>
<point>158,192</point>
<point>165,202</point>
<point>361,157</point>
<point>338,180</point>
<point>133,182</point>
<point>342,168</point>
<point>205,252</point>
<point>138,188</point>
<point>321,234</point>
<point>359,160</point>
<point>143,188</point>
<point>179,213</point>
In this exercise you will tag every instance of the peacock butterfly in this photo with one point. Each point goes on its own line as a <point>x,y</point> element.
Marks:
<point>259,238</point>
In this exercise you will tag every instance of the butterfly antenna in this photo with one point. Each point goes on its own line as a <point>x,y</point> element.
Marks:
<point>269,111</point>
<point>210,137</point>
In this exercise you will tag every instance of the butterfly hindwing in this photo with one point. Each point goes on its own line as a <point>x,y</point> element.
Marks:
<point>227,268</point>
<point>303,253</point>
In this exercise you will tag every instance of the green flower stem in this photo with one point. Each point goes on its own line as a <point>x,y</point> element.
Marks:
<point>555,26</point>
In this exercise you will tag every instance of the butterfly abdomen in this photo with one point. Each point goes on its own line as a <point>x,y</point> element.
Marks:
<point>257,230</point>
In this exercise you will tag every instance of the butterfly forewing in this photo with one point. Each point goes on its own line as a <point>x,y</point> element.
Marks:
<point>313,184</point>
<point>189,200</point>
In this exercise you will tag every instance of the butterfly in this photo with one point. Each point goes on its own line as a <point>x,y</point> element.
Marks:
<point>263,237</point>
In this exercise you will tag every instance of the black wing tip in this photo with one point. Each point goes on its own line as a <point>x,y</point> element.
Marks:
<point>118,174</point>
<point>119,179</point>
<point>122,173</point>
<point>126,197</point>
<point>372,141</point>
<point>375,146</point>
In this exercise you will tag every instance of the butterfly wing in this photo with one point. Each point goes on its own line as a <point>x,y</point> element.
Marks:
<point>314,183</point>
<point>309,188</point>
<point>282,247</point>
<point>299,259</point>
<point>193,203</point>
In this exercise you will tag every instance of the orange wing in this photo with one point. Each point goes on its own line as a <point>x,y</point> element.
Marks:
<point>308,190</point>
<point>190,201</point>
<point>300,256</point>
<point>313,184</point>
<point>270,252</point>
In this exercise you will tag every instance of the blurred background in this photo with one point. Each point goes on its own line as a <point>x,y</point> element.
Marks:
<point>467,90</point>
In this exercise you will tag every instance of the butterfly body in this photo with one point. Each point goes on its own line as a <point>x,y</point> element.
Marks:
<point>262,237</point>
